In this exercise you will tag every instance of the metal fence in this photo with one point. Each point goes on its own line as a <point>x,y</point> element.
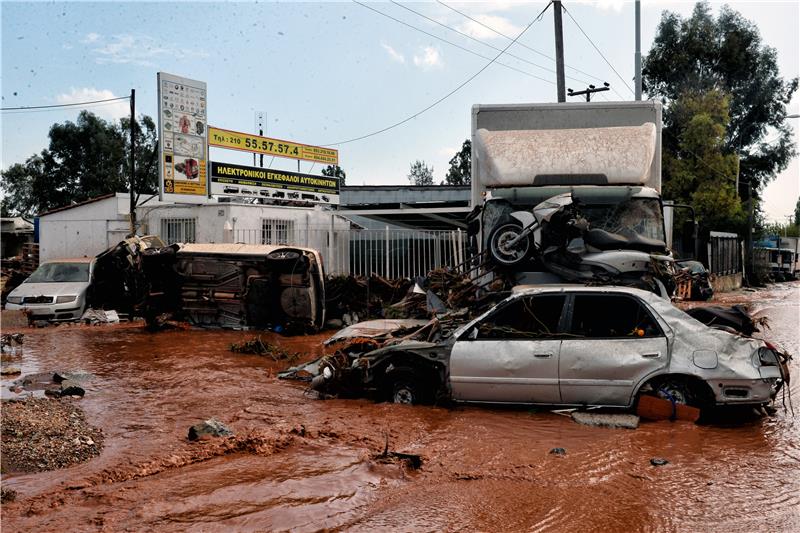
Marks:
<point>397,253</point>
<point>392,253</point>
<point>724,254</point>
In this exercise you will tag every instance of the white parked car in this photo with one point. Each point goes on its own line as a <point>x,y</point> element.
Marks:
<point>56,290</point>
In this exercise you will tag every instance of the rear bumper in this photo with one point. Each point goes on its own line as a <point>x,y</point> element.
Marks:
<point>745,391</point>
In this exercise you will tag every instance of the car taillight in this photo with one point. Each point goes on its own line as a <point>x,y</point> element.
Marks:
<point>767,356</point>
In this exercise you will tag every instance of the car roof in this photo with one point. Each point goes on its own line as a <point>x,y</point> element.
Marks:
<point>70,260</point>
<point>574,287</point>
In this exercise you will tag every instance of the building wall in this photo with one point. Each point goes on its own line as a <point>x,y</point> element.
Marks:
<point>83,230</point>
<point>87,230</point>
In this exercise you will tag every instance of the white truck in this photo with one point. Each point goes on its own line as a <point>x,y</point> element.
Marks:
<point>599,167</point>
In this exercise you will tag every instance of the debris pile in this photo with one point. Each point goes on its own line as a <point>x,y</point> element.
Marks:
<point>442,290</point>
<point>12,274</point>
<point>42,434</point>
<point>736,318</point>
<point>257,346</point>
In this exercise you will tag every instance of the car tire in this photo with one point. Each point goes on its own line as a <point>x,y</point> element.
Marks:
<point>407,387</point>
<point>506,229</point>
<point>683,391</point>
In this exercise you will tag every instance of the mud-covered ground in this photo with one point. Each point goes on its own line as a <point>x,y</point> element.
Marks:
<point>302,464</point>
<point>44,434</point>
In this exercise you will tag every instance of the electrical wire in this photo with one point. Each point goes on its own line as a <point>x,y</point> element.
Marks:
<point>452,43</point>
<point>495,48</point>
<point>625,83</point>
<point>26,108</point>
<point>448,95</point>
<point>476,21</point>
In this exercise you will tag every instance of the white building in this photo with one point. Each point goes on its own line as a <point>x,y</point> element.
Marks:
<point>92,226</point>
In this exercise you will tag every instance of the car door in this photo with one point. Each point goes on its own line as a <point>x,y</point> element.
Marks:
<point>612,343</point>
<point>512,354</point>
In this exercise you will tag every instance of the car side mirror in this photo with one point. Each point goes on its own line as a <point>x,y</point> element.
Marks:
<point>473,333</point>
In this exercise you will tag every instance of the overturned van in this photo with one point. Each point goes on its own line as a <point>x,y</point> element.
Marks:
<point>251,285</point>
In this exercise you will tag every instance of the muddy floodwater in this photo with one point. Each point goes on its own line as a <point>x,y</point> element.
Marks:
<point>302,464</point>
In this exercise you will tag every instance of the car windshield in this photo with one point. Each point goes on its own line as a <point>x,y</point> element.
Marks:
<point>638,215</point>
<point>60,273</point>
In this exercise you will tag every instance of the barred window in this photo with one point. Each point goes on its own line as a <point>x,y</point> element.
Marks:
<point>178,230</point>
<point>276,231</point>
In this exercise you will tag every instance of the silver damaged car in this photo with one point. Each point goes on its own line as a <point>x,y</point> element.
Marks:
<point>569,345</point>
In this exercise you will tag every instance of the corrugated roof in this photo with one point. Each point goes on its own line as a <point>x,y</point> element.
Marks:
<point>89,201</point>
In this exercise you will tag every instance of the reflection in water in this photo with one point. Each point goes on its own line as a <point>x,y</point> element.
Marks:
<point>303,464</point>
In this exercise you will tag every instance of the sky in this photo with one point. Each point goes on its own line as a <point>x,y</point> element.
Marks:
<point>327,72</point>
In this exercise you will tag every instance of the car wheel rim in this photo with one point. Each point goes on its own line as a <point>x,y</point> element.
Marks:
<point>404,396</point>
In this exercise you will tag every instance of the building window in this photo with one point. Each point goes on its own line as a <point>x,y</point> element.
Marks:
<point>275,231</point>
<point>178,230</point>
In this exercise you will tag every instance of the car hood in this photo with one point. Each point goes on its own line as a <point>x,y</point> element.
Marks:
<point>50,289</point>
<point>402,346</point>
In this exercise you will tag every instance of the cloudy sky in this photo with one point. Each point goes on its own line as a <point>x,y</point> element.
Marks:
<point>327,72</point>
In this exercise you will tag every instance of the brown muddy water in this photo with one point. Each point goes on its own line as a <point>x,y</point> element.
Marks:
<point>302,464</point>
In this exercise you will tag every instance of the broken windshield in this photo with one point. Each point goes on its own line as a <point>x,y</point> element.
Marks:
<point>641,216</point>
<point>60,273</point>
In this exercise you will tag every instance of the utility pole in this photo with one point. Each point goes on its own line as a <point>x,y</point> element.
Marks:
<point>590,91</point>
<point>638,55</point>
<point>132,191</point>
<point>560,84</point>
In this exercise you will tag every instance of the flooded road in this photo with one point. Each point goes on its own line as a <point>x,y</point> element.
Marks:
<point>302,464</point>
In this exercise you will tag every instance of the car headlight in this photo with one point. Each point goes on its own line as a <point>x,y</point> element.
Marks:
<point>14,299</point>
<point>66,298</point>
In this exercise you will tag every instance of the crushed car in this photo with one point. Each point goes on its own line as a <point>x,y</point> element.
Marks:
<point>250,285</point>
<point>698,278</point>
<point>558,345</point>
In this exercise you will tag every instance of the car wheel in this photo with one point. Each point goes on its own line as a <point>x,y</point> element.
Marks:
<point>501,251</point>
<point>684,391</point>
<point>406,387</point>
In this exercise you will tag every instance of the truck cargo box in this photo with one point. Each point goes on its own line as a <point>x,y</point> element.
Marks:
<point>588,156</point>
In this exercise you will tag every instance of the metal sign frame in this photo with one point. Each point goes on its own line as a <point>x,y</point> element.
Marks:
<point>183,139</point>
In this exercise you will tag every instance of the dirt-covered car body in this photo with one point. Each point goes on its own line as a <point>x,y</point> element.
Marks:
<point>57,290</point>
<point>573,345</point>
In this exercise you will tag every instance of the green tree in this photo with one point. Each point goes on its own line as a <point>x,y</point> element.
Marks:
<point>335,171</point>
<point>697,170</point>
<point>460,172</point>
<point>420,174</point>
<point>84,159</point>
<point>703,53</point>
<point>797,213</point>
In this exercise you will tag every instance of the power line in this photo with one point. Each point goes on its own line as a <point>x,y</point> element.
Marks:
<point>448,95</point>
<point>26,108</point>
<point>625,83</point>
<point>480,41</point>
<point>49,110</point>
<point>451,43</point>
<point>501,34</point>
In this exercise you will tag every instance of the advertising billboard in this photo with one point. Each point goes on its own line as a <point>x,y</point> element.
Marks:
<point>238,180</point>
<point>246,142</point>
<point>183,131</point>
